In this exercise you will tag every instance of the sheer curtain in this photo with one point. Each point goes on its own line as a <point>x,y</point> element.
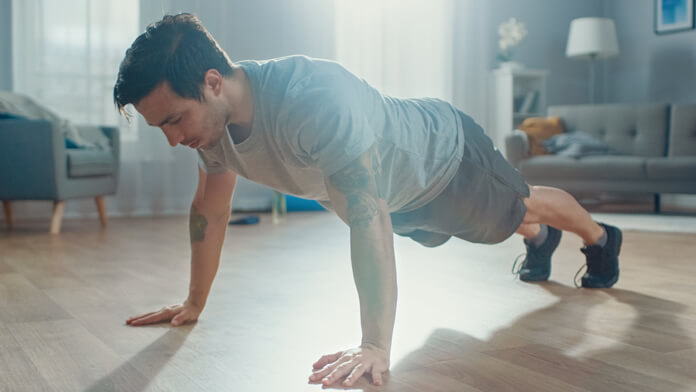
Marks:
<point>411,48</point>
<point>401,47</point>
<point>66,55</point>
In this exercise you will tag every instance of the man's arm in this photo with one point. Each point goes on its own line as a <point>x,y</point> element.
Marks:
<point>208,220</point>
<point>210,214</point>
<point>355,196</point>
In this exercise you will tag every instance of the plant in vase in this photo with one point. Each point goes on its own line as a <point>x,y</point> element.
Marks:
<point>511,34</point>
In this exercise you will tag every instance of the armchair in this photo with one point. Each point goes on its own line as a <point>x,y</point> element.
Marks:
<point>36,165</point>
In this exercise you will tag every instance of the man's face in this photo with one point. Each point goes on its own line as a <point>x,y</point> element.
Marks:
<point>185,121</point>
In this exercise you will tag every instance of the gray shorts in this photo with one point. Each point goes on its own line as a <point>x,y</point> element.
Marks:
<point>482,203</point>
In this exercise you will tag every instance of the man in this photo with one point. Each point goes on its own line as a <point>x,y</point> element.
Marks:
<point>417,167</point>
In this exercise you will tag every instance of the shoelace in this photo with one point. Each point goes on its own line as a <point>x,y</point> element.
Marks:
<point>517,259</point>
<point>575,278</point>
<point>592,268</point>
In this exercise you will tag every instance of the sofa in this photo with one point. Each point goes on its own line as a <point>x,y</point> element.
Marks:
<point>654,145</point>
<point>35,164</point>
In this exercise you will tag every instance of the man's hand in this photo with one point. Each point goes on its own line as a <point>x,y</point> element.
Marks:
<point>351,364</point>
<point>178,314</point>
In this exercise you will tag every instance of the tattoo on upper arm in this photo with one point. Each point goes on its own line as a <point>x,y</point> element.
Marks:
<point>197,225</point>
<point>358,182</point>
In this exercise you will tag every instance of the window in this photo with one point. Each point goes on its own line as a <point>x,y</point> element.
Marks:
<point>66,55</point>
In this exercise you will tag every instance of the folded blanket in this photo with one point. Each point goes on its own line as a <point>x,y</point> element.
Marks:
<point>13,105</point>
<point>577,144</point>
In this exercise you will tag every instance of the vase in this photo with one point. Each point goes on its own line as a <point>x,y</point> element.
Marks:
<point>512,65</point>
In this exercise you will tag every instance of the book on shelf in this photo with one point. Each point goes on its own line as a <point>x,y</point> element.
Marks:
<point>528,102</point>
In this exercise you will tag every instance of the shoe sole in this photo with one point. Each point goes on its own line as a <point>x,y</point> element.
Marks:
<point>607,285</point>
<point>537,278</point>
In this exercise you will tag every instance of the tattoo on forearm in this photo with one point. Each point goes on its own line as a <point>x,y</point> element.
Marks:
<point>197,225</point>
<point>358,183</point>
<point>361,209</point>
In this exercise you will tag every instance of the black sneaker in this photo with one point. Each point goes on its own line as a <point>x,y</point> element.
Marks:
<point>603,262</point>
<point>537,263</point>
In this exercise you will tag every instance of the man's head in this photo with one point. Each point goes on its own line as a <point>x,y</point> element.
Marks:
<point>174,69</point>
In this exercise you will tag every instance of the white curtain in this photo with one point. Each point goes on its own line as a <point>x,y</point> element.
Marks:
<point>66,55</point>
<point>401,47</point>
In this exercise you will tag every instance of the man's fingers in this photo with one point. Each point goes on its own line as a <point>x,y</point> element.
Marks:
<point>377,376</point>
<point>153,318</point>
<point>357,372</point>
<point>180,319</point>
<point>340,371</point>
<point>139,316</point>
<point>326,359</point>
<point>319,375</point>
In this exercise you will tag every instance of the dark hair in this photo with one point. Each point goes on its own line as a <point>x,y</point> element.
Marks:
<point>176,49</point>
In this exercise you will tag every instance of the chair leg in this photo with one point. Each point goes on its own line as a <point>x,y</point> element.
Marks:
<point>58,207</point>
<point>101,207</point>
<point>657,203</point>
<point>9,220</point>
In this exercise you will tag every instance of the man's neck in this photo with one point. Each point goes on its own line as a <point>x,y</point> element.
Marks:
<point>240,99</point>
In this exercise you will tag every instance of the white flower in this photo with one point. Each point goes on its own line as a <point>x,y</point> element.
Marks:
<point>511,33</point>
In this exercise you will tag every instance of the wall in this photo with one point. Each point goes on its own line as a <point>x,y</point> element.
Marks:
<point>5,44</point>
<point>651,67</point>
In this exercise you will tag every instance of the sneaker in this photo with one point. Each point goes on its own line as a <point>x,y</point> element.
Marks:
<point>537,263</point>
<point>603,262</point>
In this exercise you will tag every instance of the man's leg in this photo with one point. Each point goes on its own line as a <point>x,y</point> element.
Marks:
<point>558,210</point>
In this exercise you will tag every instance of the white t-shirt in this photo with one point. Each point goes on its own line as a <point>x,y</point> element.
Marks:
<point>313,117</point>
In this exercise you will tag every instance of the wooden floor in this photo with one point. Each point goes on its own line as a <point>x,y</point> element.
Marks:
<point>284,296</point>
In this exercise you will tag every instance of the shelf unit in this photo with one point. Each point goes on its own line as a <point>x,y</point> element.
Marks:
<point>515,94</point>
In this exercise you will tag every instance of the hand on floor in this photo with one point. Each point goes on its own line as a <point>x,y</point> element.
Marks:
<point>351,364</point>
<point>178,314</point>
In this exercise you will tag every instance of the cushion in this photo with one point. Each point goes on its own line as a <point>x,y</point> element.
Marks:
<point>606,167</point>
<point>673,168</point>
<point>90,163</point>
<point>682,135</point>
<point>13,105</point>
<point>539,129</point>
<point>633,129</point>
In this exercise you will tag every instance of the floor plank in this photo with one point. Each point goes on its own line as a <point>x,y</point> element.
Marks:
<point>284,296</point>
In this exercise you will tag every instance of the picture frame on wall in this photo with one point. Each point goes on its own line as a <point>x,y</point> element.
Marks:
<point>672,16</point>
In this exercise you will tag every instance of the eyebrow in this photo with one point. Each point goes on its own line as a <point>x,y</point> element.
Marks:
<point>166,120</point>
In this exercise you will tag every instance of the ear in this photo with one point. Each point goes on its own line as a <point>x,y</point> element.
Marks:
<point>213,81</point>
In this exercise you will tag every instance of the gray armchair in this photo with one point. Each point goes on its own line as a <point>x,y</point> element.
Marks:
<point>36,165</point>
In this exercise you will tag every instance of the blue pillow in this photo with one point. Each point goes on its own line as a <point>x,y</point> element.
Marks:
<point>8,116</point>
<point>69,143</point>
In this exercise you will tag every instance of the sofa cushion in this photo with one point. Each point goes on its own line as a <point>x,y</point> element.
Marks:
<point>90,163</point>
<point>633,129</point>
<point>673,168</point>
<point>682,135</point>
<point>592,167</point>
<point>14,105</point>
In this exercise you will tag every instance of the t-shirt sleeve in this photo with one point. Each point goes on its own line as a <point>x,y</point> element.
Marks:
<point>329,128</point>
<point>208,164</point>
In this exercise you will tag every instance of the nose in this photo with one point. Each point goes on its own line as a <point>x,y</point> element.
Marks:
<point>173,137</point>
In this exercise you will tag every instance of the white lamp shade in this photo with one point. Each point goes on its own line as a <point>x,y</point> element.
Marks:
<point>592,38</point>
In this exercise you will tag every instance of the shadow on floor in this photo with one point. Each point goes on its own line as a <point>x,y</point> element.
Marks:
<point>539,351</point>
